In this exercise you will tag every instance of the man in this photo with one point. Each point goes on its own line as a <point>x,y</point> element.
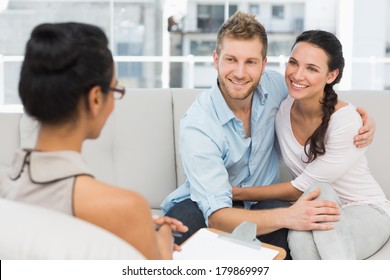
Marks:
<point>227,139</point>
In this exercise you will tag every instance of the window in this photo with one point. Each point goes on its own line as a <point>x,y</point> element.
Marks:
<point>127,70</point>
<point>278,11</point>
<point>254,9</point>
<point>211,17</point>
<point>202,48</point>
<point>148,57</point>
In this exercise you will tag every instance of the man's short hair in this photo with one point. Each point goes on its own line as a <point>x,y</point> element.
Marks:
<point>242,26</point>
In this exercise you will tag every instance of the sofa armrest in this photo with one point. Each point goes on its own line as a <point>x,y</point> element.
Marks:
<point>31,232</point>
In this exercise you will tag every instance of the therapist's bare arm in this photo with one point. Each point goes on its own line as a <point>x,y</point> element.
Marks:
<point>305,214</point>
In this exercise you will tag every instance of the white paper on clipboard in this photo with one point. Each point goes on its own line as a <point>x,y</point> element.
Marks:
<point>207,245</point>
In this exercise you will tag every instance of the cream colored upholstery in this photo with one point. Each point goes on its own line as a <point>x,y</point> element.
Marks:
<point>30,232</point>
<point>138,147</point>
<point>378,154</point>
<point>182,99</point>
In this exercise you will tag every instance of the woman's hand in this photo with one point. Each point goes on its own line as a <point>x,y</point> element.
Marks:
<point>235,193</point>
<point>165,226</point>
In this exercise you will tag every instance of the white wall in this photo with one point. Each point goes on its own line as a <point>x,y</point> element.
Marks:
<point>321,15</point>
<point>362,31</point>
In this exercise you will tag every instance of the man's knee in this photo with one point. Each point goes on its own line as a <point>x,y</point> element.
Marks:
<point>190,215</point>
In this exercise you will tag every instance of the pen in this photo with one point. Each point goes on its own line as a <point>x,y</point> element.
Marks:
<point>174,233</point>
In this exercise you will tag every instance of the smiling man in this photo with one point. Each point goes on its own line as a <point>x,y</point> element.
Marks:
<point>227,138</point>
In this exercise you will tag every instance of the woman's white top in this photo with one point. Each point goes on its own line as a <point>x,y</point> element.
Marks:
<point>343,165</point>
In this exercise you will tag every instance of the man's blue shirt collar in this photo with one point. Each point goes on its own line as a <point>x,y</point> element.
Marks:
<point>224,113</point>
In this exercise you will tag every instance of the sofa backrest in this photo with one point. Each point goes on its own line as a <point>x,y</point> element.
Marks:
<point>376,104</point>
<point>138,147</point>
<point>181,100</point>
<point>10,141</point>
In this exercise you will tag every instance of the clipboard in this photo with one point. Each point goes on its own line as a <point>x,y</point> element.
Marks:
<point>241,244</point>
<point>244,234</point>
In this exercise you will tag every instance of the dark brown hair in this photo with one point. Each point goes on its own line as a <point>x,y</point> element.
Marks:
<point>329,43</point>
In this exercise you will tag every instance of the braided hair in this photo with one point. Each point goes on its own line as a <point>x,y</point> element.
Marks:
<point>328,42</point>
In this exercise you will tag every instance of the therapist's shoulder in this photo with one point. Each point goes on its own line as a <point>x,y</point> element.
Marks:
<point>273,81</point>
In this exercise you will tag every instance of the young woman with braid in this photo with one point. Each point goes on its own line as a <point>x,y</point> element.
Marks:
<point>315,131</point>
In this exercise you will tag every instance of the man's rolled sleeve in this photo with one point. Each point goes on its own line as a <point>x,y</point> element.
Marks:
<point>202,155</point>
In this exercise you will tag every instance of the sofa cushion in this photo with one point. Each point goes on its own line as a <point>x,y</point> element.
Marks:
<point>31,232</point>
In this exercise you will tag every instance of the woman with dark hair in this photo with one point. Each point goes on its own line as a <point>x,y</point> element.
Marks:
<point>68,84</point>
<point>315,131</point>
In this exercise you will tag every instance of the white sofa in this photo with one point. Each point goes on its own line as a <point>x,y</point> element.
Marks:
<point>138,150</point>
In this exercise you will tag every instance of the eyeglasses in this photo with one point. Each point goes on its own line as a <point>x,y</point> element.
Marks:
<point>119,92</point>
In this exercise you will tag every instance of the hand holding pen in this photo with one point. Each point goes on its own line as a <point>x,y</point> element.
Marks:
<point>175,225</point>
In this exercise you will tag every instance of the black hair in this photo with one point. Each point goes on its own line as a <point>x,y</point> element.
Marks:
<point>329,43</point>
<point>62,62</point>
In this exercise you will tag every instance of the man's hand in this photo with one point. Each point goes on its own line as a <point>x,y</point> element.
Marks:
<point>310,214</point>
<point>366,132</point>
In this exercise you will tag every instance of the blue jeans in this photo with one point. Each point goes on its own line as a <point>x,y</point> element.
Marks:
<point>189,213</point>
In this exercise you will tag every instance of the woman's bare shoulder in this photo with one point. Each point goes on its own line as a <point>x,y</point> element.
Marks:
<point>91,193</point>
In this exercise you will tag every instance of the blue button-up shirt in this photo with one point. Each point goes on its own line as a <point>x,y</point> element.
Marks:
<point>215,153</point>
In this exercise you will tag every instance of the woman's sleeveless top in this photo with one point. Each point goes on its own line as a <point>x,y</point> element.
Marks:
<point>44,178</point>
